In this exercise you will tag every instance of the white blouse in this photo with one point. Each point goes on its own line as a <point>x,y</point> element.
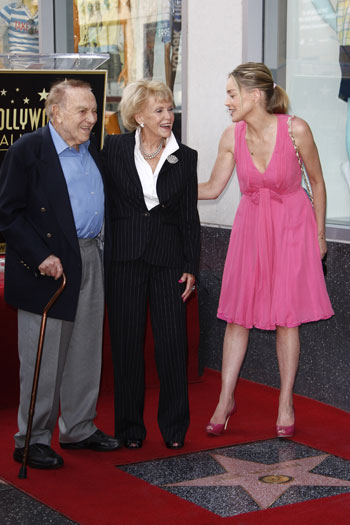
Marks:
<point>147,177</point>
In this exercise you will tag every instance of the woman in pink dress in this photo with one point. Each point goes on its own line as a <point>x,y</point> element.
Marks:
<point>273,277</point>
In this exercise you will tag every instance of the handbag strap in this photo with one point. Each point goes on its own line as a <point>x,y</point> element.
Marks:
<point>305,179</point>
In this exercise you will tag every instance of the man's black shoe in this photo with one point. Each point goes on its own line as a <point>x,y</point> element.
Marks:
<point>97,441</point>
<point>39,456</point>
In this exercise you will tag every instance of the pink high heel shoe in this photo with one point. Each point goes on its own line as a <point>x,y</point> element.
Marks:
<point>219,428</point>
<point>285,432</point>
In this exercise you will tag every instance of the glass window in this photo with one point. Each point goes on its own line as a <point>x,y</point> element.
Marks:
<point>315,35</point>
<point>19,23</point>
<point>143,40</point>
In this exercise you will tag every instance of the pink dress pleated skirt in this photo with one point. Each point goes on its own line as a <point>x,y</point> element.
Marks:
<point>273,272</point>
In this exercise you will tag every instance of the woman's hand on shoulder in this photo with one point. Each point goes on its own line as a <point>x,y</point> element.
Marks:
<point>223,167</point>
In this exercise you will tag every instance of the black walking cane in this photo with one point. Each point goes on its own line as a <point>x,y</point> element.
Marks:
<point>23,470</point>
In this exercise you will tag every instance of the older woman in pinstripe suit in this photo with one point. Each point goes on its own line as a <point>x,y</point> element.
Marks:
<point>154,247</point>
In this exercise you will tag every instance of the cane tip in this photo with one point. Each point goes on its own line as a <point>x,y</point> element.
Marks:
<point>22,472</point>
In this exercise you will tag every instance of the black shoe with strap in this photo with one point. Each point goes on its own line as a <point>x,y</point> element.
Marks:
<point>174,445</point>
<point>133,443</point>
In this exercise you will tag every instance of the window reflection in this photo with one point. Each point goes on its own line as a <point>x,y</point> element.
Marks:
<point>19,27</point>
<point>142,38</point>
<point>318,83</point>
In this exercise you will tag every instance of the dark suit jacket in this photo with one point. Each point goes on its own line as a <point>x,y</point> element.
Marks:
<point>169,234</point>
<point>36,220</point>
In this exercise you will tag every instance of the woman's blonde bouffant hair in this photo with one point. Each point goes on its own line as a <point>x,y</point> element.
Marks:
<point>135,97</point>
<point>255,75</point>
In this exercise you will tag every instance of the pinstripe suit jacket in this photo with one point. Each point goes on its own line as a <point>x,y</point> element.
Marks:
<point>169,234</point>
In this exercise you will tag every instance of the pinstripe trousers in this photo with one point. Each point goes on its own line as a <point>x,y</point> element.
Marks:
<point>131,286</point>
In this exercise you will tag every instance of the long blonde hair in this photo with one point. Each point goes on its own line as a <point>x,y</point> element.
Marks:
<point>255,75</point>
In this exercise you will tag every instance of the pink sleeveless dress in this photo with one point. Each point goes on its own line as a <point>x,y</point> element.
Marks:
<point>273,272</point>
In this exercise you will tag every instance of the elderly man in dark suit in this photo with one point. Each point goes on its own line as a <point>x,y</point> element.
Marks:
<point>51,215</point>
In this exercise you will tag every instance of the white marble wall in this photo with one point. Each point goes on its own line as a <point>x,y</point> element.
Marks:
<point>214,47</point>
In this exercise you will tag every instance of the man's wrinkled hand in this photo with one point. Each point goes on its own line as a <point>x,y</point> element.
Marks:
<point>51,267</point>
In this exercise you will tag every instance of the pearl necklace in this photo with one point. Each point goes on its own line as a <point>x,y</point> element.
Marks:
<point>149,156</point>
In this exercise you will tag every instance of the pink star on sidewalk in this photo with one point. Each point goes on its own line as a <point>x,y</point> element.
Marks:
<point>266,483</point>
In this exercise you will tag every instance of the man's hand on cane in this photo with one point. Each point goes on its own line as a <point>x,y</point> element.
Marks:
<point>51,267</point>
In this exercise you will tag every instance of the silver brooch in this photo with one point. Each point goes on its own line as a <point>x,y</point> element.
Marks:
<point>172,159</point>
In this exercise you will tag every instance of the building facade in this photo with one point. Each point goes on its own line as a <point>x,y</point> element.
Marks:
<point>193,45</point>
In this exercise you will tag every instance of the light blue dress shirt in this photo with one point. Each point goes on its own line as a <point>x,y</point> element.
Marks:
<point>85,186</point>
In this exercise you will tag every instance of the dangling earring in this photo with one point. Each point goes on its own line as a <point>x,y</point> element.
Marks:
<point>142,125</point>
